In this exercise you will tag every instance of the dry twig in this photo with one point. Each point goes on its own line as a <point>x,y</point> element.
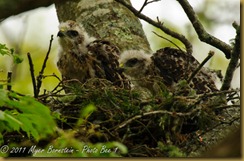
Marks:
<point>210,54</point>
<point>40,76</point>
<point>9,79</point>
<point>32,75</point>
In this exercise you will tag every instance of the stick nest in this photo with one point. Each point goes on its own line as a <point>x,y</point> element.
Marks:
<point>170,124</point>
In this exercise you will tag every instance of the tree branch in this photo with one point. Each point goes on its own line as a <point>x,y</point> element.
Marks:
<point>32,74</point>
<point>9,79</point>
<point>233,61</point>
<point>12,7</point>
<point>146,3</point>
<point>40,76</point>
<point>201,32</point>
<point>159,25</point>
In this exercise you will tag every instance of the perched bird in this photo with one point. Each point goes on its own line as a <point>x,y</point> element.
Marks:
<point>107,55</point>
<point>169,66</point>
<point>82,57</point>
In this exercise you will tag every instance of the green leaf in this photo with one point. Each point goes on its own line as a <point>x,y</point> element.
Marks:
<point>17,59</point>
<point>25,113</point>
<point>4,50</point>
<point>88,110</point>
<point>10,52</point>
<point>85,112</point>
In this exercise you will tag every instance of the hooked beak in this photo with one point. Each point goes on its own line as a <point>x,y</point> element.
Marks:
<point>121,68</point>
<point>60,34</point>
<point>121,65</point>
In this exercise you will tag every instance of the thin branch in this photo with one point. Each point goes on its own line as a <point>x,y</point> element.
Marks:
<point>235,55</point>
<point>40,76</point>
<point>9,79</point>
<point>152,1</point>
<point>159,25</point>
<point>167,40</point>
<point>143,6</point>
<point>180,114</point>
<point>211,94</point>
<point>205,95</point>
<point>52,75</point>
<point>210,54</point>
<point>201,32</point>
<point>226,107</point>
<point>32,74</point>
<point>146,3</point>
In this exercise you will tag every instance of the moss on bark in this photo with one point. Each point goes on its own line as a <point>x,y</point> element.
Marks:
<point>108,20</point>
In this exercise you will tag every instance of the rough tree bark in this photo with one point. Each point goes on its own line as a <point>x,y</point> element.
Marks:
<point>106,19</point>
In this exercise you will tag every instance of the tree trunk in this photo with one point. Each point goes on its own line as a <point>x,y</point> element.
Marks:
<point>107,20</point>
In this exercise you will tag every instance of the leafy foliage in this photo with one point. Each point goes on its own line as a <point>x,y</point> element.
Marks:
<point>24,114</point>
<point>10,52</point>
<point>68,144</point>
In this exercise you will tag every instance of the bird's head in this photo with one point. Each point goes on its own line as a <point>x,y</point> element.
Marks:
<point>72,35</point>
<point>134,63</point>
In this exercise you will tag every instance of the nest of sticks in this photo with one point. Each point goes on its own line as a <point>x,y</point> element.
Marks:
<point>166,125</point>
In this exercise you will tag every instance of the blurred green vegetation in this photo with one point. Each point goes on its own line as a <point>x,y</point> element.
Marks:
<point>24,114</point>
<point>21,80</point>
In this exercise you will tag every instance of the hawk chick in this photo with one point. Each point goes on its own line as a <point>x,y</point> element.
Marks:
<point>171,65</point>
<point>82,57</point>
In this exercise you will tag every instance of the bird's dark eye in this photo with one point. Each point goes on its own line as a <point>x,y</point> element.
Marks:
<point>60,34</point>
<point>72,33</point>
<point>131,62</point>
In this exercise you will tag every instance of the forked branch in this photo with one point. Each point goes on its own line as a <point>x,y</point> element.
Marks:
<point>201,32</point>
<point>159,25</point>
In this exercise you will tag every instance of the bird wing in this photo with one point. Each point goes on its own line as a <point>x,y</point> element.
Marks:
<point>107,56</point>
<point>174,65</point>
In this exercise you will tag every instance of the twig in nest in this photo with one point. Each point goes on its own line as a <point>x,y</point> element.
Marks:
<point>9,79</point>
<point>32,75</point>
<point>123,124</point>
<point>110,100</point>
<point>226,107</point>
<point>40,76</point>
<point>234,95</point>
<point>159,25</point>
<point>59,84</point>
<point>205,95</point>
<point>210,54</point>
<point>52,75</point>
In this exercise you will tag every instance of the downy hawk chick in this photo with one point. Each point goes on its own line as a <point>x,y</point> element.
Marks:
<point>169,65</point>
<point>82,57</point>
